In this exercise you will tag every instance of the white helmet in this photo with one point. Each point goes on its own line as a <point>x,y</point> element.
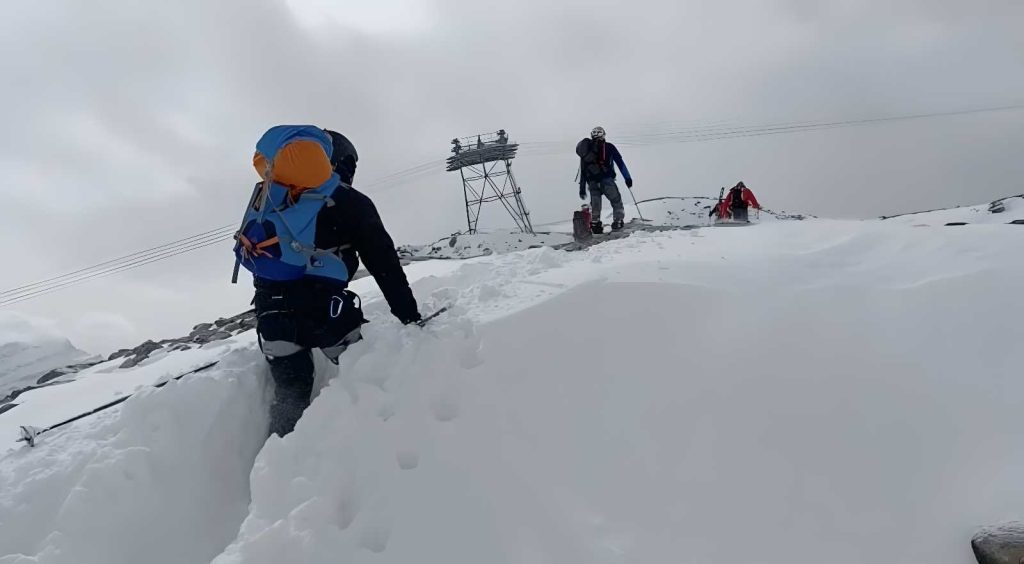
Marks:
<point>597,133</point>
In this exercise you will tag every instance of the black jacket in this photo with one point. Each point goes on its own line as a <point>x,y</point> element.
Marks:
<point>353,222</point>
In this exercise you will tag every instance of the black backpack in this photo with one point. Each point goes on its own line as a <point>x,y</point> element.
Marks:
<point>591,164</point>
<point>737,198</point>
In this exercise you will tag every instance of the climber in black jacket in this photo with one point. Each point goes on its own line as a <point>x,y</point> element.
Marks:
<point>296,316</point>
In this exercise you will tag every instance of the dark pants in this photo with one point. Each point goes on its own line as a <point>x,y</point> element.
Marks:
<point>610,190</point>
<point>739,214</point>
<point>292,319</point>
<point>293,387</point>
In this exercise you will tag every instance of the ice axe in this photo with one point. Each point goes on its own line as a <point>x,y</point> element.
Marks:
<point>423,322</point>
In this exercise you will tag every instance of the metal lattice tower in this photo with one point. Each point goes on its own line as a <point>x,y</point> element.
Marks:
<point>484,163</point>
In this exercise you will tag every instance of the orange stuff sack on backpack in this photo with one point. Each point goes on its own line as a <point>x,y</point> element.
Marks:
<point>300,165</point>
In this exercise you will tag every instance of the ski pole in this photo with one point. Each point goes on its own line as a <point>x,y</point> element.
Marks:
<point>29,434</point>
<point>630,188</point>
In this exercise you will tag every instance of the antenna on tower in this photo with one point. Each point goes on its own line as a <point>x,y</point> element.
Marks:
<point>479,160</point>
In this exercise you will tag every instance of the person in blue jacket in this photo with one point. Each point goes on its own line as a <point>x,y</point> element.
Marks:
<point>598,176</point>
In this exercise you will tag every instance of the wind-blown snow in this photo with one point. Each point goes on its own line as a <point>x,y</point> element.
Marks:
<point>792,392</point>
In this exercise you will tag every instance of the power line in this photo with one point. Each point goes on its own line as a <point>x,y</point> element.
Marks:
<point>702,133</point>
<point>185,240</point>
<point>773,129</point>
<point>114,269</point>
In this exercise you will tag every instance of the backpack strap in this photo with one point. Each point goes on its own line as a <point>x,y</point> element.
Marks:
<point>328,201</point>
<point>249,249</point>
<point>260,194</point>
<point>310,251</point>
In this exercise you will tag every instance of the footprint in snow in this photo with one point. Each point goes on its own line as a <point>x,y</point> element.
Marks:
<point>386,411</point>
<point>407,459</point>
<point>375,538</point>
<point>348,509</point>
<point>445,406</point>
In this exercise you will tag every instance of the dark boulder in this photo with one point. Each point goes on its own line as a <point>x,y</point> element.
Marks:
<point>1000,544</point>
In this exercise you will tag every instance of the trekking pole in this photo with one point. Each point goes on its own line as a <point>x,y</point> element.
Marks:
<point>30,434</point>
<point>635,203</point>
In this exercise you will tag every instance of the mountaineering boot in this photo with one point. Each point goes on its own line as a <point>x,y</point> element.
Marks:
<point>617,225</point>
<point>596,227</point>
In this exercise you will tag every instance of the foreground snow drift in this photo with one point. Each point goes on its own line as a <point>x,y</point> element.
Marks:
<point>795,392</point>
<point>163,479</point>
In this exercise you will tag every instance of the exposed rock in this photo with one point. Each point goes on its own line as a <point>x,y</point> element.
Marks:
<point>220,336</point>
<point>141,353</point>
<point>132,362</point>
<point>201,336</point>
<point>57,373</point>
<point>1000,544</point>
<point>148,347</point>
<point>232,328</point>
<point>120,354</point>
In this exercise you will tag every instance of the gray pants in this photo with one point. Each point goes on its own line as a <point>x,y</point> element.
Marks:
<point>608,189</point>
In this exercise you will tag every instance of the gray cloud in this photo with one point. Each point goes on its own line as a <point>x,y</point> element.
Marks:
<point>133,124</point>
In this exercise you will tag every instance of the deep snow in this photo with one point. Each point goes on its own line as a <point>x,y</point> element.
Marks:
<point>787,392</point>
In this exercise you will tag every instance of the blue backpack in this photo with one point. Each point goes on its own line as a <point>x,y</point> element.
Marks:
<point>277,238</point>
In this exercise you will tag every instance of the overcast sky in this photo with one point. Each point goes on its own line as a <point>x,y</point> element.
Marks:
<point>129,124</point>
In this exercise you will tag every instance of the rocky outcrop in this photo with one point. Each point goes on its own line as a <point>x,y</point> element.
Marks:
<point>202,334</point>
<point>1000,544</point>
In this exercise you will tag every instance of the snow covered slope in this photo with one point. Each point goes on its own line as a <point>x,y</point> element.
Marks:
<point>686,211</point>
<point>29,349</point>
<point>463,246</point>
<point>1004,210</point>
<point>793,392</point>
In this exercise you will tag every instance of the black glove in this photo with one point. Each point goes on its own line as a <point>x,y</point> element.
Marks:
<point>629,183</point>
<point>583,193</point>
